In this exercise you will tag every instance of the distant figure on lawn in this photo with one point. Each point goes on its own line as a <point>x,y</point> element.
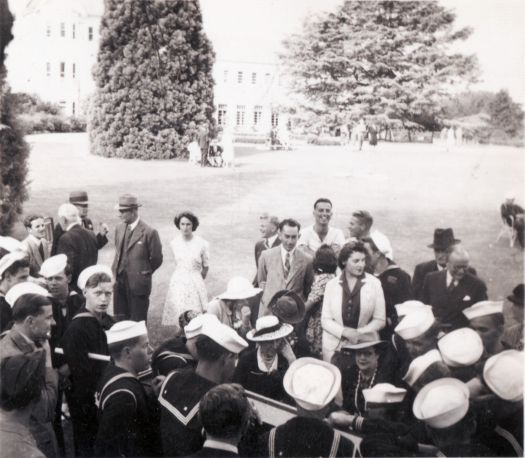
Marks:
<point>187,290</point>
<point>36,246</point>
<point>138,253</point>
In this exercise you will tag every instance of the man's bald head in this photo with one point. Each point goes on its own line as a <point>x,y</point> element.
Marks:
<point>458,262</point>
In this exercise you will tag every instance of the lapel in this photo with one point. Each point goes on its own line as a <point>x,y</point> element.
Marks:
<point>35,252</point>
<point>136,235</point>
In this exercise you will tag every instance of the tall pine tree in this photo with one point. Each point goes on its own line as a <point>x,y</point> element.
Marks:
<point>154,79</point>
<point>389,61</point>
<point>14,151</point>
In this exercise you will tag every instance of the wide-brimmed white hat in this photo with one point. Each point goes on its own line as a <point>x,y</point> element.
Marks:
<point>503,374</point>
<point>364,340</point>
<point>461,347</point>
<point>269,328</point>
<point>239,288</point>
<point>313,383</point>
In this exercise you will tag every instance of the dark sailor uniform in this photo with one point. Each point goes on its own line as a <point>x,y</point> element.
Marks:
<point>84,335</point>
<point>305,437</point>
<point>126,416</point>
<point>180,427</point>
<point>170,356</point>
<point>6,314</point>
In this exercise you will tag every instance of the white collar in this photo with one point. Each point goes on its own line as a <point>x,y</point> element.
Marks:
<point>34,239</point>
<point>284,252</point>
<point>450,280</point>
<point>271,240</point>
<point>440,268</point>
<point>72,224</point>
<point>220,445</point>
<point>133,225</point>
<point>262,366</point>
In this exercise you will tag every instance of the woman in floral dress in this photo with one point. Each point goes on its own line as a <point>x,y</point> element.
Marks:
<point>187,290</point>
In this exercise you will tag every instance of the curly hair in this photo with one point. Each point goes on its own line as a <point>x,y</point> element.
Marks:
<point>347,251</point>
<point>188,215</point>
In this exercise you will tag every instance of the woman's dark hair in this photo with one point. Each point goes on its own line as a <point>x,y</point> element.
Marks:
<point>98,278</point>
<point>325,260</point>
<point>29,305</point>
<point>188,215</point>
<point>347,251</point>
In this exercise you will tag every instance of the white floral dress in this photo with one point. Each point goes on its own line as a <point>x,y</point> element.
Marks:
<point>187,290</point>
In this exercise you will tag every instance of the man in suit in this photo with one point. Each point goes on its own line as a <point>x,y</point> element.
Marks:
<point>36,246</point>
<point>284,267</point>
<point>138,253</point>
<point>80,200</point>
<point>224,412</point>
<point>452,290</point>
<point>78,244</point>
<point>269,228</point>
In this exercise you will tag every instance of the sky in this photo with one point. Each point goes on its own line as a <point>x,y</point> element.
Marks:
<point>254,29</point>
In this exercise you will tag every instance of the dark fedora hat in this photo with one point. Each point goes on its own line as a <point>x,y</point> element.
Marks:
<point>517,295</point>
<point>287,306</point>
<point>78,197</point>
<point>443,239</point>
<point>127,201</point>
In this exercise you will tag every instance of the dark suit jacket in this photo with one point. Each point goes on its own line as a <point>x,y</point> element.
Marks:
<point>86,224</point>
<point>271,273</point>
<point>144,256</point>
<point>80,247</point>
<point>448,305</point>
<point>208,451</point>
<point>421,272</point>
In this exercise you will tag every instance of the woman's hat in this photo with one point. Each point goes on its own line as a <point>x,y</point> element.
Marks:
<point>287,306</point>
<point>239,288</point>
<point>443,239</point>
<point>364,340</point>
<point>269,328</point>
<point>517,295</point>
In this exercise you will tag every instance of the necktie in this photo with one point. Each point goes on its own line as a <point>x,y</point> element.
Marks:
<point>41,250</point>
<point>125,239</point>
<point>287,265</point>
<point>266,243</point>
<point>451,286</point>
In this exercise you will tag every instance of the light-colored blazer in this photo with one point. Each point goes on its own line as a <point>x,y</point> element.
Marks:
<point>270,272</point>
<point>30,246</point>
<point>371,316</point>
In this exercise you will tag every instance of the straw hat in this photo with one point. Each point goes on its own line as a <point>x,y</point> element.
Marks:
<point>269,328</point>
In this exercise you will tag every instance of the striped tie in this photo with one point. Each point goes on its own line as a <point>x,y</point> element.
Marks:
<point>287,265</point>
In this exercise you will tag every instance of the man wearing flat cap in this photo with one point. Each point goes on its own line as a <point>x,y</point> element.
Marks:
<point>138,254</point>
<point>80,200</point>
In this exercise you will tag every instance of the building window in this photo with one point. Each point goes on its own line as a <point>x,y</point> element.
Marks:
<point>48,30</point>
<point>62,29</point>
<point>239,119</point>
<point>221,114</point>
<point>73,31</point>
<point>62,69</point>
<point>73,110</point>
<point>257,114</point>
<point>90,33</point>
<point>74,70</point>
<point>225,76</point>
<point>62,104</point>
<point>48,68</point>
<point>254,78</point>
<point>275,119</point>
<point>239,77</point>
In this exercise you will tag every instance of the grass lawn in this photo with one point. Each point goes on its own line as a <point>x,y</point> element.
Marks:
<point>409,188</point>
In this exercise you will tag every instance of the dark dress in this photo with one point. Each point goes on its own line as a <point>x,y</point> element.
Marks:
<point>84,335</point>
<point>127,422</point>
<point>248,374</point>
<point>180,427</point>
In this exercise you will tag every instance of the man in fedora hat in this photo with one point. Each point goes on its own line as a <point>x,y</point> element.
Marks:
<point>443,242</point>
<point>80,200</point>
<point>138,253</point>
<point>513,335</point>
<point>452,290</point>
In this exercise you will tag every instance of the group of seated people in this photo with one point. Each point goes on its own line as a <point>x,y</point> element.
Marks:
<point>332,350</point>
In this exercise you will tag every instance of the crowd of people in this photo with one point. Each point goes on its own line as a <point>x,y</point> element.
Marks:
<point>356,355</point>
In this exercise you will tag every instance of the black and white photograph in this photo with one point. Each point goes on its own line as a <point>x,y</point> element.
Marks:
<point>262,228</point>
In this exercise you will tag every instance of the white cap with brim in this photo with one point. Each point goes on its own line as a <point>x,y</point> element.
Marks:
<point>9,259</point>
<point>27,287</point>
<point>461,347</point>
<point>442,403</point>
<point>225,336</point>
<point>407,307</point>
<point>312,383</point>
<point>194,327</point>
<point>239,288</point>
<point>53,265</point>
<point>10,244</point>
<point>419,365</point>
<point>384,393</point>
<point>88,272</point>
<point>125,330</point>
<point>483,308</point>
<point>382,244</point>
<point>503,374</point>
<point>269,328</point>
<point>415,324</point>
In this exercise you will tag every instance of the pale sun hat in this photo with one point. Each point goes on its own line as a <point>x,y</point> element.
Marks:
<point>239,288</point>
<point>269,328</point>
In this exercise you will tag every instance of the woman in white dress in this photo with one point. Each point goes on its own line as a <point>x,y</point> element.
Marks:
<point>187,290</point>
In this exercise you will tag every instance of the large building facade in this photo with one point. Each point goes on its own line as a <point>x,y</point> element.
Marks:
<point>55,47</point>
